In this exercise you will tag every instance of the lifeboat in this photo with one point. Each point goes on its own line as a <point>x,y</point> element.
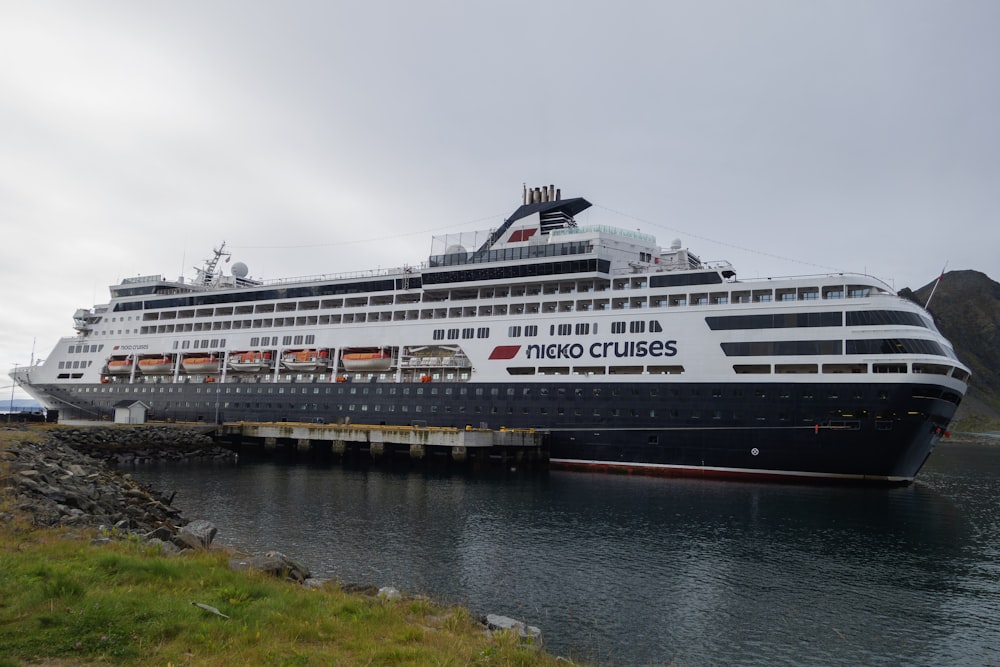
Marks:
<point>250,362</point>
<point>151,365</point>
<point>367,360</point>
<point>120,366</point>
<point>305,360</point>
<point>201,364</point>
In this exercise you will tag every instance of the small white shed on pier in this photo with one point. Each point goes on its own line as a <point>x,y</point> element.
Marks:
<point>130,412</point>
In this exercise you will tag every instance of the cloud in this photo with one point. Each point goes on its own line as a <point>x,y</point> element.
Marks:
<point>325,137</point>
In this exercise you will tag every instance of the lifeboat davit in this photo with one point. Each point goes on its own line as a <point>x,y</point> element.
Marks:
<point>201,364</point>
<point>120,366</point>
<point>151,365</point>
<point>367,360</point>
<point>250,362</point>
<point>305,360</point>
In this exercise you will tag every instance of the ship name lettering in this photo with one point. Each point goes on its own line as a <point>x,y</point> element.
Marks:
<point>555,351</point>
<point>604,350</point>
<point>642,348</point>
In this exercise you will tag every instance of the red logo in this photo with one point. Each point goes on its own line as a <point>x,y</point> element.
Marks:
<point>505,351</point>
<point>521,235</point>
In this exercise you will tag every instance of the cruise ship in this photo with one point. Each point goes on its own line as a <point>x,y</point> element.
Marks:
<point>624,354</point>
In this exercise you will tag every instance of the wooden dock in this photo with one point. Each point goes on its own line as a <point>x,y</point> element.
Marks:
<point>379,443</point>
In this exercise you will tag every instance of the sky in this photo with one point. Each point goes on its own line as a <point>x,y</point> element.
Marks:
<point>787,137</point>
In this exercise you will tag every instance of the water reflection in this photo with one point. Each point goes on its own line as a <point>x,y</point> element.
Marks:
<point>631,570</point>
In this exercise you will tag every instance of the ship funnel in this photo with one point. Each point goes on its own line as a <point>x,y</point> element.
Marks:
<point>541,195</point>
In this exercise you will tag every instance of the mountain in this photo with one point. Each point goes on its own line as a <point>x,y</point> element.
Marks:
<point>966,308</point>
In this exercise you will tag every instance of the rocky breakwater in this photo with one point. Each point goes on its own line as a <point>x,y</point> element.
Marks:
<point>52,484</point>
<point>121,445</point>
<point>47,478</point>
<point>48,482</point>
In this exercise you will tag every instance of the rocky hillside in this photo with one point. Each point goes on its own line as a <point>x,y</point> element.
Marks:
<point>966,308</point>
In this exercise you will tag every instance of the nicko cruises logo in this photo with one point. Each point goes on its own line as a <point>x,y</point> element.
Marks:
<point>600,350</point>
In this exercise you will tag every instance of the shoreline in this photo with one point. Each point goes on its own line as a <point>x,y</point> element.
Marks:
<point>67,477</point>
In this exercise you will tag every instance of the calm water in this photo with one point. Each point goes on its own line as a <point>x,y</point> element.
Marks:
<point>639,571</point>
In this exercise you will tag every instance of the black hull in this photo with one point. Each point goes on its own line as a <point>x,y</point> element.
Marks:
<point>826,431</point>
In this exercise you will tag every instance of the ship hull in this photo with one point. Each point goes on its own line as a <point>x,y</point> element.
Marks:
<point>881,434</point>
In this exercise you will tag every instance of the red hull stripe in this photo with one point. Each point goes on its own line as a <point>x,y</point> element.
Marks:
<point>661,470</point>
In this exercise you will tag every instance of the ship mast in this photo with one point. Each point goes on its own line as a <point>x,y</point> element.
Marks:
<point>927,305</point>
<point>207,274</point>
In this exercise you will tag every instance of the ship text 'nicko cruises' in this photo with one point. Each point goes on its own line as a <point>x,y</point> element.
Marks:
<point>622,353</point>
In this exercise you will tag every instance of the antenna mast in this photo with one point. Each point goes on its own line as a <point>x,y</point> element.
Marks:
<point>933,289</point>
<point>208,273</point>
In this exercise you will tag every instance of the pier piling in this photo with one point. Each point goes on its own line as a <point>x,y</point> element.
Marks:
<point>380,443</point>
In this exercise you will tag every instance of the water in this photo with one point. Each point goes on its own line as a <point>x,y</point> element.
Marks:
<point>641,571</point>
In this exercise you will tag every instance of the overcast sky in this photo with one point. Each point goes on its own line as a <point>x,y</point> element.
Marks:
<point>789,137</point>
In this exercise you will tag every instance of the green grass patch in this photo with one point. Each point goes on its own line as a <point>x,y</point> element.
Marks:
<point>65,601</point>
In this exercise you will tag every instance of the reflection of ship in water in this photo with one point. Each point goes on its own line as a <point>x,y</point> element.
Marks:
<point>710,564</point>
<point>636,571</point>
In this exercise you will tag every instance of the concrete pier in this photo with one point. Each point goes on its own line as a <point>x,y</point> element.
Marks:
<point>380,443</point>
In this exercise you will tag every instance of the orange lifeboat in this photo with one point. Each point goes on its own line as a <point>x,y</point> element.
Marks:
<point>152,365</point>
<point>305,360</point>
<point>250,362</point>
<point>120,365</point>
<point>367,360</point>
<point>201,364</point>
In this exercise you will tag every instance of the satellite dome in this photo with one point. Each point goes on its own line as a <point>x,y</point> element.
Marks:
<point>240,270</point>
<point>456,249</point>
<point>676,245</point>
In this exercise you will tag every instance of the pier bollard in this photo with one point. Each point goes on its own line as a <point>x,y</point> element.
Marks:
<point>417,451</point>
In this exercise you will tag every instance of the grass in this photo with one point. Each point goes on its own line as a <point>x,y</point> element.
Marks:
<point>66,601</point>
